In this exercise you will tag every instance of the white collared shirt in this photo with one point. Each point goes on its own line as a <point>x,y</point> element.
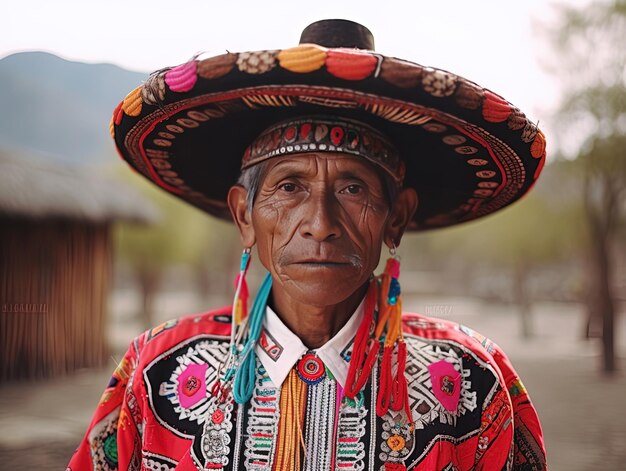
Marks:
<point>279,349</point>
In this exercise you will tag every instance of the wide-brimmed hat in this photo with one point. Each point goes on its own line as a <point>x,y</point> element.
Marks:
<point>467,151</point>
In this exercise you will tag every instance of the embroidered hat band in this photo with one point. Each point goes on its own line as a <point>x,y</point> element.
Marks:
<point>325,134</point>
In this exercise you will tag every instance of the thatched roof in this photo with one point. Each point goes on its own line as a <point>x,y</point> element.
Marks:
<point>35,189</point>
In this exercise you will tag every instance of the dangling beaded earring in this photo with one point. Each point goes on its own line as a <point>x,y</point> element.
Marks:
<point>393,389</point>
<point>388,328</point>
<point>238,317</point>
<point>246,364</point>
<point>240,362</point>
<point>240,301</point>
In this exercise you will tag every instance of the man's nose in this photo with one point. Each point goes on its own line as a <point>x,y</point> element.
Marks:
<point>320,221</point>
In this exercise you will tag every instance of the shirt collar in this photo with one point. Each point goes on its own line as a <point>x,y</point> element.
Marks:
<point>279,349</point>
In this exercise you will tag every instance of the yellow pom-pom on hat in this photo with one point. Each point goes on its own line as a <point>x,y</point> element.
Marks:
<point>303,59</point>
<point>538,147</point>
<point>133,102</point>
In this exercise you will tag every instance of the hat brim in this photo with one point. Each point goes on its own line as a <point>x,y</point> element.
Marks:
<point>467,151</point>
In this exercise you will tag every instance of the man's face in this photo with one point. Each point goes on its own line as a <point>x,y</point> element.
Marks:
<point>319,221</point>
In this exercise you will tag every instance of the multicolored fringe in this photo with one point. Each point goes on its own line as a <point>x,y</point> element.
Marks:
<point>244,368</point>
<point>240,302</point>
<point>383,293</point>
<point>238,370</point>
<point>290,448</point>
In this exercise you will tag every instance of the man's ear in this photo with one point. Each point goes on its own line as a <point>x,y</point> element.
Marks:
<point>402,212</point>
<point>238,205</point>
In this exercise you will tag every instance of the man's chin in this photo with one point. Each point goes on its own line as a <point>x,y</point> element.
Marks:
<point>328,289</point>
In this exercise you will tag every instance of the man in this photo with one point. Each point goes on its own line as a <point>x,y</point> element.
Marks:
<point>325,371</point>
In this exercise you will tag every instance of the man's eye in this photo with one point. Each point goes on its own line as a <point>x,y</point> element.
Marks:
<point>353,189</point>
<point>288,187</point>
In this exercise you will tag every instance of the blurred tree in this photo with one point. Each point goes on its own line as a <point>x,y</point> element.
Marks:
<point>590,59</point>
<point>539,230</point>
<point>184,236</point>
<point>603,163</point>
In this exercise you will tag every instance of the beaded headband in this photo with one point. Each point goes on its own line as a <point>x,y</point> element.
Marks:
<point>325,134</point>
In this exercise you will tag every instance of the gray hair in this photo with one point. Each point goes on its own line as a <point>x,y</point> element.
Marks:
<point>250,179</point>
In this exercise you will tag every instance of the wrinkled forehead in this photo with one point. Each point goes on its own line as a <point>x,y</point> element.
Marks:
<point>322,166</point>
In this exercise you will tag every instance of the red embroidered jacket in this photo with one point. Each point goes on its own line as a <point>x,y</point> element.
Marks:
<point>470,409</point>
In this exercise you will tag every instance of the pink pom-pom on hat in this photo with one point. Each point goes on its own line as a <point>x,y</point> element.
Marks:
<point>182,78</point>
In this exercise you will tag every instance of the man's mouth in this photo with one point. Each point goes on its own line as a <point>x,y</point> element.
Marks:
<point>321,262</point>
<point>328,260</point>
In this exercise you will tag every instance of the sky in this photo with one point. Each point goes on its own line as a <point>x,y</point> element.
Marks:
<point>495,43</point>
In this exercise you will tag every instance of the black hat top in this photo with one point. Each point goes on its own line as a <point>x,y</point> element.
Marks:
<point>338,33</point>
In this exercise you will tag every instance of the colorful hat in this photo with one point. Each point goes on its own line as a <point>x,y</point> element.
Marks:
<point>466,150</point>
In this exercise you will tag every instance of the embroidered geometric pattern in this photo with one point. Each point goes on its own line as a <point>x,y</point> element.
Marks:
<point>215,439</point>
<point>351,430</point>
<point>424,404</point>
<point>270,345</point>
<point>398,439</point>
<point>103,442</point>
<point>262,427</point>
<point>154,462</point>
<point>319,435</point>
<point>204,355</point>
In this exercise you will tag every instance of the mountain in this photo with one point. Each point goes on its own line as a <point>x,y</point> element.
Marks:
<point>58,108</point>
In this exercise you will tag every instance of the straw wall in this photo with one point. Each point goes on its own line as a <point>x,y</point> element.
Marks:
<point>55,278</point>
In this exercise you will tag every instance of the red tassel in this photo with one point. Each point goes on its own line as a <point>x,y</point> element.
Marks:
<point>392,466</point>
<point>384,393</point>
<point>372,356</point>
<point>243,292</point>
<point>393,267</point>
<point>242,298</point>
<point>357,370</point>
<point>215,389</point>
<point>408,412</point>
<point>402,384</point>
<point>399,391</point>
<point>393,391</point>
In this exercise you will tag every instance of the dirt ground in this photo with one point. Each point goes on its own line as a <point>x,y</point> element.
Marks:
<point>583,412</point>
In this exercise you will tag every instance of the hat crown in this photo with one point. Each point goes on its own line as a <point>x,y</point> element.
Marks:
<point>338,33</point>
